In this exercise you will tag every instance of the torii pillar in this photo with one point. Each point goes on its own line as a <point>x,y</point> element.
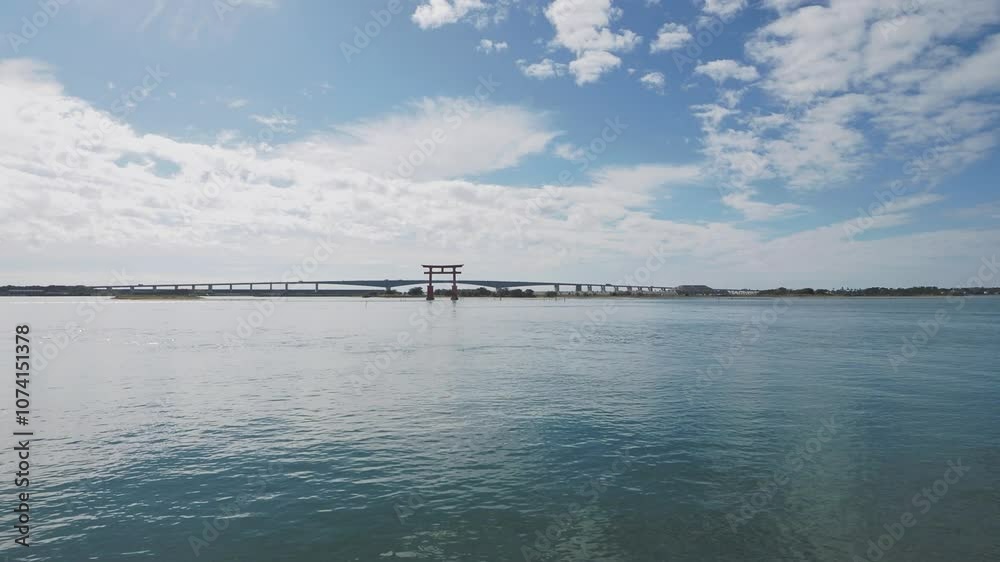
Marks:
<point>430,270</point>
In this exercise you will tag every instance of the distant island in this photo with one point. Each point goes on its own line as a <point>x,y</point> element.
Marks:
<point>418,292</point>
<point>157,297</point>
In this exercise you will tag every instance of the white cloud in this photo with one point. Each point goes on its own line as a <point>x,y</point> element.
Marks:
<point>727,69</point>
<point>724,8</point>
<point>814,149</point>
<point>759,211</point>
<point>449,137</point>
<point>278,121</point>
<point>670,36</point>
<point>235,103</point>
<point>584,27</point>
<point>928,98</point>
<point>86,188</point>
<point>567,151</point>
<point>110,207</point>
<point>436,13</point>
<point>782,5</point>
<point>822,50</point>
<point>655,81</point>
<point>545,68</point>
<point>180,21</point>
<point>489,46</point>
<point>591,65</point>
<point>973,76</point>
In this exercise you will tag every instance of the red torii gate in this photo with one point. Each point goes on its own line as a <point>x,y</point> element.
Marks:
<point>430,270</point>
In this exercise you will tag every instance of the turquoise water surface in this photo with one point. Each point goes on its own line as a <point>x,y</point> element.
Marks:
<point>587,429</point>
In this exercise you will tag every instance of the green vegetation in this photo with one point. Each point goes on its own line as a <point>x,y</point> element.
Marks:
<point>880,292</point>
<point>157,297</point>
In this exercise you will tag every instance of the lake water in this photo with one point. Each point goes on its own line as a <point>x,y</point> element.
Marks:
<point>587,429</point>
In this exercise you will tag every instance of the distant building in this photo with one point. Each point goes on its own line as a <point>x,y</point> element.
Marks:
<point>694,290</point>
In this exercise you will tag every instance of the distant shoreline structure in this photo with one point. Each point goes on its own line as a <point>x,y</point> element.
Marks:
<point>683,291</point>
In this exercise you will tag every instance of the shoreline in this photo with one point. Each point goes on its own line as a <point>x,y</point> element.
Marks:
<point>162,297</point>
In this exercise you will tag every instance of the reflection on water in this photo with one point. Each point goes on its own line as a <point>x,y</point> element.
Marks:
<point>339,429</point>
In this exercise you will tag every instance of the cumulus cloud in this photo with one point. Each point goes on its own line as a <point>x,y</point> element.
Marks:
<point>584,27</point>
<point>545,68</point>
<point>278,121</point>
<point>591,65</point>
<point>436,13</point>
<point>655,81</point>
<point>724,8</point>
<point>439,138</point>
<point>670,36</point>
<point>727,69</point>
<point>84,181</point>
<point>853,80</point>
<point>489,46</point>
<point>80,186</point>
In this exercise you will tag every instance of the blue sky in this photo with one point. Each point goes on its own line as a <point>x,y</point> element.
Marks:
<point>748,144</point>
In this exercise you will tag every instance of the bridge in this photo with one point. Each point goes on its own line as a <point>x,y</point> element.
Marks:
<point>323,287</point>
<point>387,285</point>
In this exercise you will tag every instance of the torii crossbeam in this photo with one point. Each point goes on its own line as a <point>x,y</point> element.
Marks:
<point>430,270</point>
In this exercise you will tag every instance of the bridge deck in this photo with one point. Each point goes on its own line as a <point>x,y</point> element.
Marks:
<point>380,284</point>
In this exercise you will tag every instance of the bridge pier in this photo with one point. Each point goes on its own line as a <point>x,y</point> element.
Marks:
<point>317,287</point>
<point>557,289</point>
